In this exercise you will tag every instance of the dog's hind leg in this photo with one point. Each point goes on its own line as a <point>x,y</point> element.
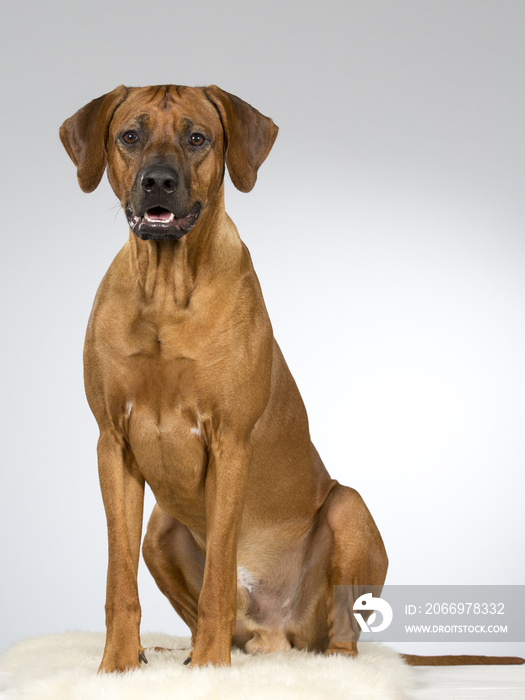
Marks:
<point>358,561</point>
<point>176,564</point>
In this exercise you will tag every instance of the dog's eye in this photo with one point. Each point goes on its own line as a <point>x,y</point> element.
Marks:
<point>197,139</point>
<point>130,137</point>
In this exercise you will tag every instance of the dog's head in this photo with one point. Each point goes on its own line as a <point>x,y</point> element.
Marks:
<point>165,149</point>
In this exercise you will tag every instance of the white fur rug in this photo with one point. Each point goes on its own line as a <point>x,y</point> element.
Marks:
<point>64,667</point>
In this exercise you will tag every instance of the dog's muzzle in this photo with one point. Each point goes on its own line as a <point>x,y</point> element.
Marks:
<point>153,212</point>
<point>160,224</point>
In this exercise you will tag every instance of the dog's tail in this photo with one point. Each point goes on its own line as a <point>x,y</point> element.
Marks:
<point>416,660</point>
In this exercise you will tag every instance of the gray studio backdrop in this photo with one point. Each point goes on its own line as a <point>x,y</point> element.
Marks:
<point>387,229</point>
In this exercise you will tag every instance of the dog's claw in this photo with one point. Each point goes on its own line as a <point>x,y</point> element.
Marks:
<point>142,657</point>
<point>185,663</point>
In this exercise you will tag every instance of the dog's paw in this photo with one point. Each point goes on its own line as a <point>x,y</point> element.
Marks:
<point>120,662</point>
<point>347,649</point>
<point>207,658</point>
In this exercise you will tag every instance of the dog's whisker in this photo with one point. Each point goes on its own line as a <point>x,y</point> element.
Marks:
<point>117,210</point>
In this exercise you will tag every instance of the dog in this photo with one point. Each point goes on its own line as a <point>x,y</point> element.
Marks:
<point>192,396</point>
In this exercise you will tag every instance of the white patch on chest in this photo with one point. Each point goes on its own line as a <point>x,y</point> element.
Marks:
<point>196,430</point>
<point>129,407</point>
<point>245,579</point>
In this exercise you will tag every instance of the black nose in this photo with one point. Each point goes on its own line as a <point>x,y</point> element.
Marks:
<point>159,179</point>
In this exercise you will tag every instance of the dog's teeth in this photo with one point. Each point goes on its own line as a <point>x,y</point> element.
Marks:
<point>157,220</point>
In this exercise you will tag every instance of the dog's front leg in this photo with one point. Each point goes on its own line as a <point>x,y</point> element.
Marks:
<point>224,494</point>
<point>123,494</point>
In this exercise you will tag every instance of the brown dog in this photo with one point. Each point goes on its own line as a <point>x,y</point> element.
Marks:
<point>192,395</point>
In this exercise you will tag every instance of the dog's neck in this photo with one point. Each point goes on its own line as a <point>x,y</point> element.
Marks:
<point>169,271</point>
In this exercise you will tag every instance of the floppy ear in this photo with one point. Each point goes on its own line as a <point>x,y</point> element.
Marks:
<point>249,136</point>
<point>85,134</point>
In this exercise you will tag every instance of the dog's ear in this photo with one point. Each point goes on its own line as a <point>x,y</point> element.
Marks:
<point>85,134</point>
<point>249,136</point>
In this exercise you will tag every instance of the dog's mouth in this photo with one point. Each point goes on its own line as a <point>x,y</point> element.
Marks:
<point>159,224</point>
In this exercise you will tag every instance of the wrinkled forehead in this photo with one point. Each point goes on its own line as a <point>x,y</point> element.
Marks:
<point>167,105</point>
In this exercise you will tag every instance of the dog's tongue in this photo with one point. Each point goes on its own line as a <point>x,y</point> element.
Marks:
<point>159,214</point>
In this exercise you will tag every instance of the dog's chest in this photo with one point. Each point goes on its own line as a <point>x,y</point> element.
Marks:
<point>161,407</point>
<point>168,446</point>
<point>167,380</point>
